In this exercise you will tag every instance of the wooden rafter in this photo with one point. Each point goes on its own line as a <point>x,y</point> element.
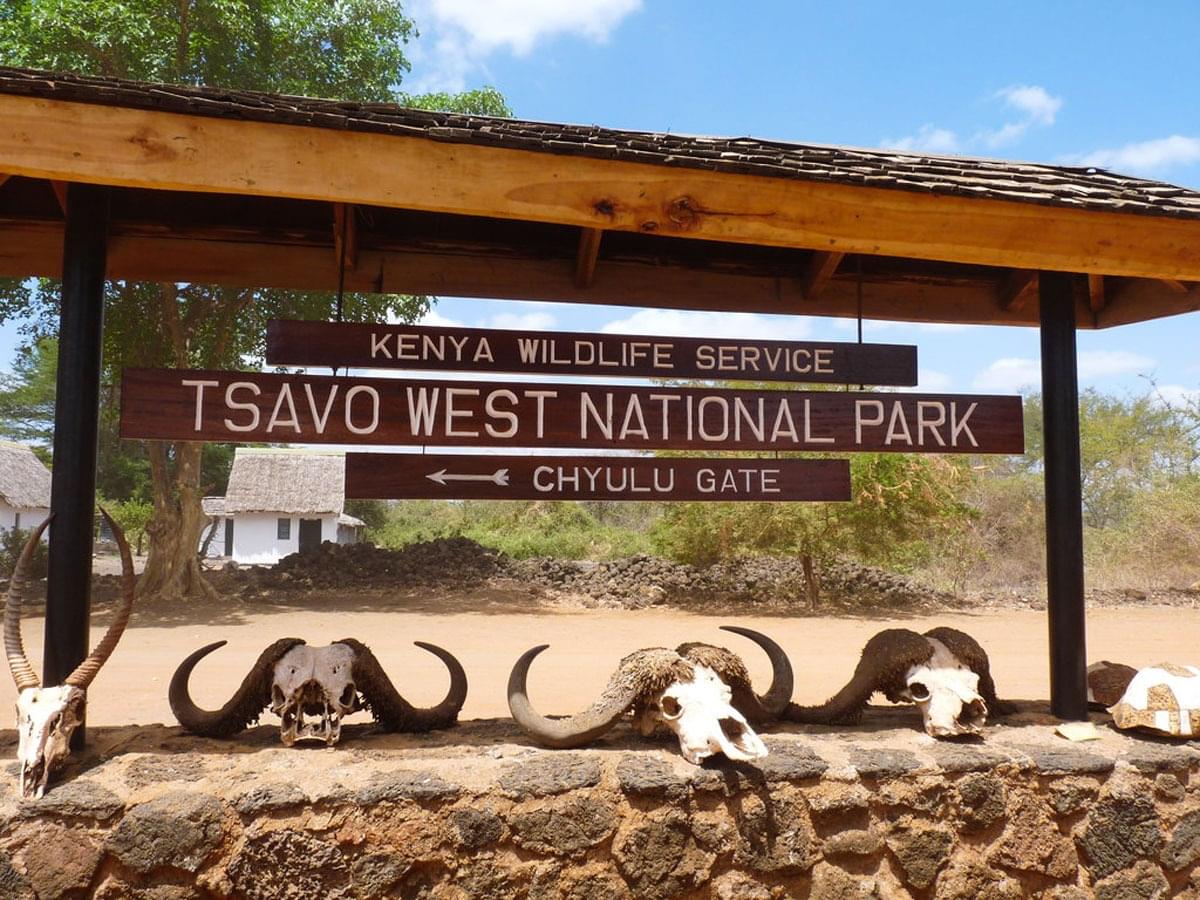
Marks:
<point>1096,297</point>
<point>345,222</point>
<point>60,192</point>
<point>820,269</point>
<point>1177,287</point>
<point>586,256</point>
<point>1018,289</point>
<point>91,143</point>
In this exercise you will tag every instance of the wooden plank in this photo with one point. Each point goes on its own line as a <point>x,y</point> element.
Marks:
<point>3,178</point>
<point>1177,287</point>
<point>35,248</point>
<point>586,256</point>
<point>411,476</point>
<point>430,348</point>
<point>168,151</point>
<point>820,269</point>
<point>345,222</point>
<point>60,194</point>
<point>1018,289</point>
<point>252,407</point>
<point>1096,299</point>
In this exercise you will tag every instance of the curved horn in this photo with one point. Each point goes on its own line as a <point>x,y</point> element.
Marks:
<point>244,707</point>
<point>14,647</point>
<point>87,670</point>
<point>391,710</point>
<point>573,731</point>
<point>771,704</point>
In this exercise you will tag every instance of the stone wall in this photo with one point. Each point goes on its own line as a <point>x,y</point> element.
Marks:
<point>476,812</point>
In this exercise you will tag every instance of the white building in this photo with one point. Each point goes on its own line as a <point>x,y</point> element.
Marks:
<point>279,502</point>
<point>24,488</point>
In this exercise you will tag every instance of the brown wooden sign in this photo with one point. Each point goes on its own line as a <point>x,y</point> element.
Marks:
<point>413,476</point>
<point>420,347</point>
<point>250,407</point>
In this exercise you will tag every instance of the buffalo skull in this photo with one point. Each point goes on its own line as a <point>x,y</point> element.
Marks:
<point>48,716</point>
<point>311,689</point>
<point>699,692</point>
<point>946,691</point>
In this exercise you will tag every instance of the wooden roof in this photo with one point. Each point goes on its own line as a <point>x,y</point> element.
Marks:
<point>244,188</point>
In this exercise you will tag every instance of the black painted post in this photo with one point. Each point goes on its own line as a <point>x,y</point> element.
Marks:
<point>1064,500</point>
<point>76,418</point>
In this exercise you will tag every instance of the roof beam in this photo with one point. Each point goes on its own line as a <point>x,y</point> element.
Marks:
<point>587,255</point>
<point>159,150</point>
<point>1096,298</point>
<point>820,269</point>
<point>60,193</point>
<point>1018,289</point>
<point>1177,287</point>
<point>345,235</point>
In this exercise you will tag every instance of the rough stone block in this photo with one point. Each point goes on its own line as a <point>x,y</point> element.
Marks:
<point>377,873</point>
<point>549,774</point>
<point>178,830</point>
<point>658,857</point>
<point>973,881</point>
<point>268,797</point>
<point>1183,847</point>
<point>921,852</point>
<point>775,833</point>
<point>289,863</point>
<point>395,787</point>
<point>1031,842</point>
<point>59,860</point>
<point>791,761</point>
<point>476,827</point>
<point>1144,881</point>
<point>1168,787</point>
<point>831,883</point>
<point>1070,795</point>
<point>641,775</point>
<point>1121,829</point>
<point>883,763</point>
<point>563,826</point>
<point>80,799</point>
<point>855,842</point>
<point>981,800</point>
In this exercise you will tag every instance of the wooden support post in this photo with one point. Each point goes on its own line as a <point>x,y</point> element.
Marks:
<point>1064,501</point>
<point>76,418</point>
<point>586,256</point>
<point>1096,298</point>
<point>820,269</point>
<point>60,194</point>
<point>1017,289</point>
<point>345,222</point>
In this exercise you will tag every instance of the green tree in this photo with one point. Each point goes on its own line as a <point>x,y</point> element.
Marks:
<point>351,50</point>
<point>27,394</point>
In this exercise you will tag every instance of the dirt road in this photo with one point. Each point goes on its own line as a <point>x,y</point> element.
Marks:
<point>488,631</point>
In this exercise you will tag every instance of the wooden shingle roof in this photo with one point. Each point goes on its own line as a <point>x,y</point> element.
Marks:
<point>1081,187</point>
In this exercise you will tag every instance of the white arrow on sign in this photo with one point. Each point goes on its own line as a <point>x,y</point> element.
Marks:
<point>499,477</point>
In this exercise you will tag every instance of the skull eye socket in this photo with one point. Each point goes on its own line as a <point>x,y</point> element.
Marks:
<point>670,707</point>
<point>918,691</point>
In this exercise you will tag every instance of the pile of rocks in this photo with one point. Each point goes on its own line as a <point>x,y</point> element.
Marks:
<point>365,565</point>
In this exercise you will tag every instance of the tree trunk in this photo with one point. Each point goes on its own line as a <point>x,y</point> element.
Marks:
<point>173,566</point>
<point>811,582</point>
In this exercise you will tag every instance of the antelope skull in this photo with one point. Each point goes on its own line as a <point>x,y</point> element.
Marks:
<point>48,716</point>
<point>947,693</point>
<point>699,692</point>
<point>296,681</point>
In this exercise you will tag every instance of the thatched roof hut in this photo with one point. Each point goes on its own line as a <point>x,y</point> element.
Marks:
<point>297,482</point>
<point>24,479</point>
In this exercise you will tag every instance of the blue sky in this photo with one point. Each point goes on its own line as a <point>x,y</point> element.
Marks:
<point>1100,83</point>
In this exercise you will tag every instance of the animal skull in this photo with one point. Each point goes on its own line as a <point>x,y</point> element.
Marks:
<point>699,713</point>
<point>700,692</point>
<point>1163,698</point>
<point>296,681</point>
<point>314,681</point>
<point>947,693</point>
<point>48,716</point>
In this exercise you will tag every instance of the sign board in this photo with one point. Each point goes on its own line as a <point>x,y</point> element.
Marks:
<point>419,347</point>
<point>412,476</point>
<point>177,404</point>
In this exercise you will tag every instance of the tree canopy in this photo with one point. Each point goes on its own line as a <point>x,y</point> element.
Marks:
<point>348,50</point>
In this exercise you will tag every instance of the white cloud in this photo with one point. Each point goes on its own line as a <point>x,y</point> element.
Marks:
<point>1146,156</point>
<point>464,33</point>
<point>685,323</point>
<point>1010,373</point>
<point>530,321</point>
<point>933,380</point>
<point>435,318</point>
<point>1035,105</point>
<point>928,139</point>
<point>1177,395</point>
<point>1014,373</point>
